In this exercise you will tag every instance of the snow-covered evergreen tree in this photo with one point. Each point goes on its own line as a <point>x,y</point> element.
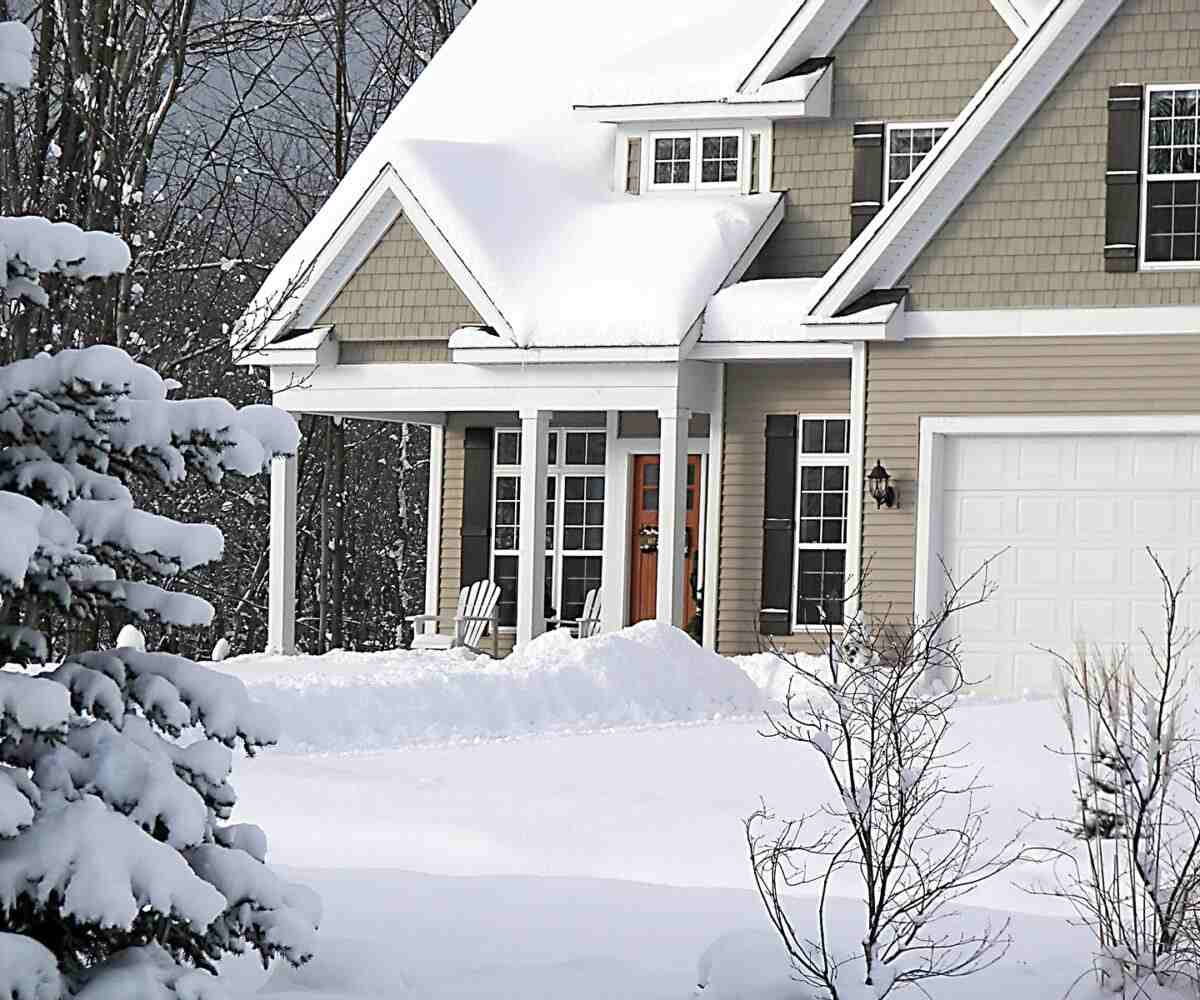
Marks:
<point>120,873</point>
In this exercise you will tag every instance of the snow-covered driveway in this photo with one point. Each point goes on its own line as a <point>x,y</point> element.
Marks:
<point>595,864</point>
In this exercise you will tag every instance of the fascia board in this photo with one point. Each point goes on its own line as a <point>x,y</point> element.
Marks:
<point>813,30</point>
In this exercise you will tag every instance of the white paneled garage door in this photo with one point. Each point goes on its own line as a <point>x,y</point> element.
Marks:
<point>1076,512</point>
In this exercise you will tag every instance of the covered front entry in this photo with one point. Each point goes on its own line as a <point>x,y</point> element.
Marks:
<point>1072,512</point>
<point>644,547</point>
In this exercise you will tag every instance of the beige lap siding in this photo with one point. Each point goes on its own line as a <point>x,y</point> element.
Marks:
<point>450,568</point>
<point>752,392</point>
<point>367,352</point>
<point>1065,376</point>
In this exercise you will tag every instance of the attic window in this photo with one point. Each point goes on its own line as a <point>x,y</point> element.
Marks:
<point>1173,176</point>
<point>689,160</point>
<point>673,161</point>
<point>907,146</point>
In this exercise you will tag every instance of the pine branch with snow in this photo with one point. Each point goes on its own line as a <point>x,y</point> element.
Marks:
<point>120,874</point>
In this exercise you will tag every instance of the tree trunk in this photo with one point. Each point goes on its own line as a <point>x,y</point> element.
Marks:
<point>325,561</point>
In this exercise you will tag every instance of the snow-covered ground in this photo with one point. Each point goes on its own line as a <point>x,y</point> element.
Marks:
<point>596,849</point>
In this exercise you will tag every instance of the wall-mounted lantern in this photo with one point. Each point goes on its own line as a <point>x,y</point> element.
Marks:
<point>882,490</point>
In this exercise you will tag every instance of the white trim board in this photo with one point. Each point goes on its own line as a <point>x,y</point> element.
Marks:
<point>1114,321</point>
<point>933,434</point>
<point>1012,16</point>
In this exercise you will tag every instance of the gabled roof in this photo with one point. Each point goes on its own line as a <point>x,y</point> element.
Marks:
<point>885,250</point>
<point>513,191</point>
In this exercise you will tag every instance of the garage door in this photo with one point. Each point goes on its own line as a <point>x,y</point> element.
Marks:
<point>1076,513</point>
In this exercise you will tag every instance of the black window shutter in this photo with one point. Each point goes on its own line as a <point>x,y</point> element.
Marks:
<point>779,526</point>
<point>1123,179</point>
<point>477,505</point>
<point>866,196</point>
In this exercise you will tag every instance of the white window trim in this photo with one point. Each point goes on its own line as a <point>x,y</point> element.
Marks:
<point>742,127</point>
<point>847,460</point>
<point>559,471</point>
<point>652,184</point>
<point>1144,191</point>
<point>742,159</point>
<point>888,128</point>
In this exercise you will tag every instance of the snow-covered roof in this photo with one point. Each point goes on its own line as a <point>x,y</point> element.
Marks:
<point>693,52</point>
<point>776,311</point>
<point>489,148</point>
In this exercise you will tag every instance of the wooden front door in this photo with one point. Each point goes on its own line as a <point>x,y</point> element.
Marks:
<point>643,560</point>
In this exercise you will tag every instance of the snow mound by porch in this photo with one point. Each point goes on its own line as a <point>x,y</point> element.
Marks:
<point>647,674</point>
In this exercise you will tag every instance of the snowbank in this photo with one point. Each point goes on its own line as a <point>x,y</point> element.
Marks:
<point>649,673</point>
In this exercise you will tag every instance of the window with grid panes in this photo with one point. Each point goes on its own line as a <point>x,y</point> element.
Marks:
<point>575,494</point>
<point>673,160</point>
<point>822,504</point>
<point>907,146</point>
<point>1173,175</point>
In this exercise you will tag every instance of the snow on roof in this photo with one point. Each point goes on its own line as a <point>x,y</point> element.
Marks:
<point>690,52</point>
<point>769,309</point>
<point>489,146</point>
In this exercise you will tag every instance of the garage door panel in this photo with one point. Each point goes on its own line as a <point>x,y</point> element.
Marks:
<point>1075,513</point>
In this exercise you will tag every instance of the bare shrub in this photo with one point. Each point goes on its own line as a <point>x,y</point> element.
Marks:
<point>1132,744</point>
<point>903,822</point>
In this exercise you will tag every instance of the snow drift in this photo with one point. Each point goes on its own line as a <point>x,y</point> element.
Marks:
<point>649,673</point>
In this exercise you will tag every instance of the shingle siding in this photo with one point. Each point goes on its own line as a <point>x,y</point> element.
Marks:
<point>751,392</point>
<point>1031,234</point>
<point>902,60</point>
<point>401,292</point>
<point>1065,376</point>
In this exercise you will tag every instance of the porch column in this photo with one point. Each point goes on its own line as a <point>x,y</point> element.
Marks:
<point>433,539</point>
<point>281,601</point>
<point>614,595</point>
<point>531,564</point>
<point>672,514</point>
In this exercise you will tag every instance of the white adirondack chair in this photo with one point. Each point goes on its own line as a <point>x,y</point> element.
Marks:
<point>588,622</point>
<point>477,609</point>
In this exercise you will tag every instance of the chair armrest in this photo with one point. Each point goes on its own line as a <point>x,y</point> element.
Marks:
<point>474,618</point>
<point>421,618</point>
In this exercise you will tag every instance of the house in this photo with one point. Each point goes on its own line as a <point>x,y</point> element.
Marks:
<point>668,280</point>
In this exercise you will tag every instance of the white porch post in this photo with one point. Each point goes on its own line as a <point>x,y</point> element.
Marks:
<point>672,515</point>
<point>281,610</point>
<point>433,540</point>
<point>616,529</point>
<point>531,567</point>
<point>713,492</point>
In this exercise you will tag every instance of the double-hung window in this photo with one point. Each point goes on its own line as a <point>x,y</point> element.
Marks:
<point>822,504</point>
<point>907,146</point>
<point>1172,176</point>
<point>574,519</point>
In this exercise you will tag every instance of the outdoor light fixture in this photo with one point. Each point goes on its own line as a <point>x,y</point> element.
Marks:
<point>881,486</point>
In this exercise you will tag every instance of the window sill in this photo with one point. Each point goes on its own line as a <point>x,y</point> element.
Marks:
<point>1164,265</point>
<point>818,629</point>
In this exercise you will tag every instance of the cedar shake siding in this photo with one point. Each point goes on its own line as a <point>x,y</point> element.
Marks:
<point>752,392</point>
<point>1031,234</point>
<point>400,305</point>
<point>901,60</point>
<point>1057,376</point>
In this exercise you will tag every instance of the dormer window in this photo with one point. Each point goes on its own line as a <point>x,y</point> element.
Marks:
<point>673,161</point>
<point>689,160</point>
<point>726,157</point>
<point>719,159</point>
